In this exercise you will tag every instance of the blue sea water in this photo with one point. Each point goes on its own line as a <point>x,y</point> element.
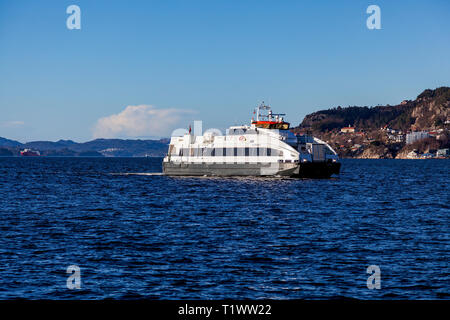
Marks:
<point>137,235</point>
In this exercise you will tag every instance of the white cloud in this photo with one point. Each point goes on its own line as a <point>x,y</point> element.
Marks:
<point>12,124</point>
<point>141,121</point>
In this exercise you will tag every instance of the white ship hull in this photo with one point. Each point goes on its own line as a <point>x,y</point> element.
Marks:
<point>304,170</point>
<point>228,169</point>
<point>266,148</point>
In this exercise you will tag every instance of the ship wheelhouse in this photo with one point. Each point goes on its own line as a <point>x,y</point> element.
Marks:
<point>271,125</point>
<point>267,120</point>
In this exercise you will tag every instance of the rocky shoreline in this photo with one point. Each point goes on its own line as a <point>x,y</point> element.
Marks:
<point>413,129</point>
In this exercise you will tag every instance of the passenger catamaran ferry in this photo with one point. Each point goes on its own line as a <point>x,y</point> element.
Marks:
<point>266,147</point>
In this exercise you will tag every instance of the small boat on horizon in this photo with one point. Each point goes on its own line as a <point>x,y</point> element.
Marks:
<point>29,153</point>
<point>266,147</point>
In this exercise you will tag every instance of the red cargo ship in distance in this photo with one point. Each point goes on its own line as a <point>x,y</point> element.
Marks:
<point>29,153</point>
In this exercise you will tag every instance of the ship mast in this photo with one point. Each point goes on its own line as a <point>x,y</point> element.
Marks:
<point>259,114</point>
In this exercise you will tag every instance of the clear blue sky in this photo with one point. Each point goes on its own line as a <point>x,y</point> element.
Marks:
<point>207,60</point>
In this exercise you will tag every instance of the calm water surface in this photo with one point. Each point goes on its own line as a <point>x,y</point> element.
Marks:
<point>149,236</point>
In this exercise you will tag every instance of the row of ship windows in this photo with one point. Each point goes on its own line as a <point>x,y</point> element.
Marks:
<point>241,131</point>
<point>230,152</point>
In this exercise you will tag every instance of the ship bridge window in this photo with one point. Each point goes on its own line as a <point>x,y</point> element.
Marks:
<point>239,131</point>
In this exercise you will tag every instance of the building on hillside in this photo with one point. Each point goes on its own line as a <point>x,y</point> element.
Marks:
<point>397,138</point>
<point>348,129</point>
<point>412,155</point>
<point>416,136</point>
<point>443,153</point>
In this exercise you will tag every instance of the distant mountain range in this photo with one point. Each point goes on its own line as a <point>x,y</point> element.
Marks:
<point>98,147</point>
<point>9,143</point>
